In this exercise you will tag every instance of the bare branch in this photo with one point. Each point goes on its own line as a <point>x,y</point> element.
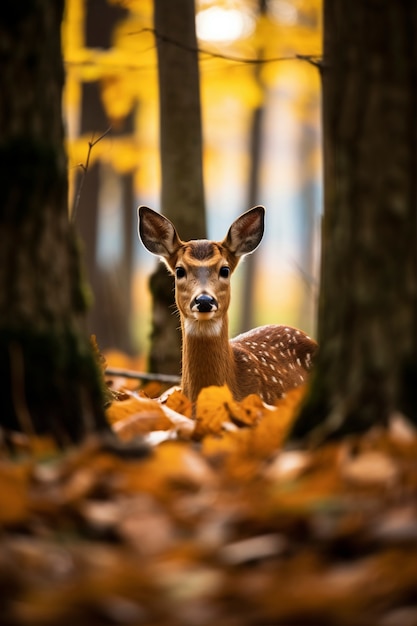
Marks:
<point>84,166</point>
<point>160,378</point>
<point>313,59</point>
<point>226,57</point>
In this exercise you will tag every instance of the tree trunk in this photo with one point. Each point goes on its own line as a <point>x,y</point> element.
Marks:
<point>48,376</point>
<point>110,314</point>
<point>247,314</point>
<point>367,367</point>
<point>182,197</point>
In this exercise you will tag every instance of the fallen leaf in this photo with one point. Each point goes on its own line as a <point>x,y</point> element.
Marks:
<point>136,416</point>
<point>175,400</point>
<point>174,464</point>
<point>212,410</point>
<point>14,483</point>
<point>369,468</point>
<point>288,465</point>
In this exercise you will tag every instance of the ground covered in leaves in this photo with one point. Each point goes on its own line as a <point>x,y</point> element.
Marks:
<point>210,519</point>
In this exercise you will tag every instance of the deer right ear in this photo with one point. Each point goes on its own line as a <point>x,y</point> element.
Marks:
<point>157,233</point>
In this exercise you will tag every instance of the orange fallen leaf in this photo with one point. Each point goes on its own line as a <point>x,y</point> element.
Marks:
<point>244,449</point>
<point>370,468</point>
<point>136,416</point>
<point>14,482</point>
<point>177,401</point>
<point>172,464</point>
<point>217,411</point>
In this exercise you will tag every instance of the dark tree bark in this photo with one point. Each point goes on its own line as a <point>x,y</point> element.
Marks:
<point>367,367</point>
<point>48,376</point>
<point>182,194</point>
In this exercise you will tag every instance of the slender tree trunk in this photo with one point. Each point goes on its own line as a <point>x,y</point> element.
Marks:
<point>247,320</point>
<point>367,367</point>
<point>308,229</point>
<point>182,194</point>
<point>48,376</point>
<point>110,314</point>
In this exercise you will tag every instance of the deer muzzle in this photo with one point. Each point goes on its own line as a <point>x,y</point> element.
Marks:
<point>204,303</point>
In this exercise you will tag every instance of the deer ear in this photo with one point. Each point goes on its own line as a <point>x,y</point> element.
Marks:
<point>246,232</point>
<point>157,233</point>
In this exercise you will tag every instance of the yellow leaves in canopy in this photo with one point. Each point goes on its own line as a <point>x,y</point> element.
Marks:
<point>127,69</point>
<point>223,80</point>
<point>117,96</point>
<point>120,152</point>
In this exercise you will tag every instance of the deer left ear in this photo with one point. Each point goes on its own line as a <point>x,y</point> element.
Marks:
<point>157,233</point>
<point>246,232</point>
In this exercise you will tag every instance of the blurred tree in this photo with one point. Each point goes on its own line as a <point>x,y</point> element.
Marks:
<point>48,375</point>
<point>247,320</point>
<point>182,194</point>
<point>309,214</point>
<point>367,366</point>
<point>110,315</point>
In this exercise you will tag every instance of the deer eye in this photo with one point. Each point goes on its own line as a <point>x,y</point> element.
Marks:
<point>224,271</point>
<point>180,272</point>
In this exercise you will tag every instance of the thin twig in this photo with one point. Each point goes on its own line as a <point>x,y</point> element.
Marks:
<point>313,59</point>
<point>218,55</point>
<point>160,378</point>
<point>84,166</point>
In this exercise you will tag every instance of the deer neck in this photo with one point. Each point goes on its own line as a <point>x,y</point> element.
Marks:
<point>207,356</point>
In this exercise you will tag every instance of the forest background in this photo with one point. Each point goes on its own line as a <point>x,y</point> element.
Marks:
<point>261,145</point>
<point>223,518</point>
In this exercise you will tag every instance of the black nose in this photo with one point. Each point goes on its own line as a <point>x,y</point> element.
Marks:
<point>205,303</point>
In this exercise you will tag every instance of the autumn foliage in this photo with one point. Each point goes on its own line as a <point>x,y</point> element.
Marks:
<point>209,517</point>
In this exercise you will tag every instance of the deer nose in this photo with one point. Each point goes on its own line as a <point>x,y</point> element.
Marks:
<point>204,303</point>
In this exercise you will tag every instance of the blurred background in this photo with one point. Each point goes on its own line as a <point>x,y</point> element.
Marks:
<point>261,134</point>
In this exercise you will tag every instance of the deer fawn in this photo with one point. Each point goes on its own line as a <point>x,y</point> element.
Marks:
<point>268,360</point>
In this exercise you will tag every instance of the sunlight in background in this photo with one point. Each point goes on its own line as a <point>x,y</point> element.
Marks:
<point>219,24</point>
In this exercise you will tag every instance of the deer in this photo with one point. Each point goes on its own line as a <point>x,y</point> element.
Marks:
<point>268,360</point>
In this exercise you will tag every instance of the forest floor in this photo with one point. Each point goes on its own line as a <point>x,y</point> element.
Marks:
<point>210,520</point>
